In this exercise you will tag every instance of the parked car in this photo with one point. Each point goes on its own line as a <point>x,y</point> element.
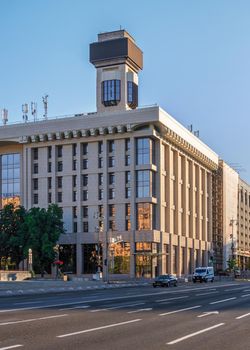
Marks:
<point>165,281</point>
<point>203,274</point>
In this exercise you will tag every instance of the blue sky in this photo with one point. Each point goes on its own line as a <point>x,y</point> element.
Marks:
<point>196,61</point>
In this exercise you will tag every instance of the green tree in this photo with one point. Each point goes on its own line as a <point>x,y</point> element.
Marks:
<point>13,236</point>
<point>231,264</point>
<point>44,228</point>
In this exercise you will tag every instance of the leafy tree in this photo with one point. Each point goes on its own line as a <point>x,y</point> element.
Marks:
<point>231,264</point>
<point>44,229</point>
<point>13,236</point>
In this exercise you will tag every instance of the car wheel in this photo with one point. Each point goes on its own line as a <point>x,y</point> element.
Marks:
<point>175,285</point>
<point>212,280</point>
<point>154,285</point>
<point>194,281</point>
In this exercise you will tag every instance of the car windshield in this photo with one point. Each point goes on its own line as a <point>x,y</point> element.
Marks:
<point>200,270</point>
<point>163,276</point>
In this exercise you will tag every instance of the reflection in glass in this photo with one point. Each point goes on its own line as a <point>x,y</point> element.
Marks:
<point>119,260</point>
<point>144,216</point>
<point>10,173</point>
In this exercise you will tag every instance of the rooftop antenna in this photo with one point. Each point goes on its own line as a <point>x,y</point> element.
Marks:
<point>45,106</point>
<point>190,127</point>
<point>197,133</point>
<point>34,110</point>
<point>25,110</point>
<point>4,114</point>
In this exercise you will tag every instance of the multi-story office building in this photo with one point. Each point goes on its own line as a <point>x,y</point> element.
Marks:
<point>134,184</point>
<point>243,228</point>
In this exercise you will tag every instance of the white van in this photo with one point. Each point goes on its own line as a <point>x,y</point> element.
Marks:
<point>203,274</point>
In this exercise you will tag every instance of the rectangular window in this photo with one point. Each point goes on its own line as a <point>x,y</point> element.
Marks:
<point>111,178</point>
<point>144,151</point>
<point>127,177</point>
<point>35,153</point>
<point>59,181</point>
<point>100,147</point>
<point>111,193</point>
<point>74,149</point>
<point>85,226</point>
<point>49,167</point>
<point>59,197</point>
<point>59,151</point>
<point>74,164</point>
<point>127,159</point>
<point>112,225</point>
<point>35,184</point>
<point>74,196</point>
<point>35,198</point>
<point>144,216</point>
<point>60,166</point>
<point>111,162</point>
<point>100,162</point>
<point>74,181</point>
<point>75,226</point>
<point>74,212</point>
<point>127,145</point>
<point>49,197</point>
<point>100,194</point>
<point>111,146</point>
<point>100,179</point>
<point>128,225</point>
<point>49,152</point>
<point>128,209</point>
<point>100,211</point>
<point>35,168</point>
<point>85,180</point>
<point>49,183</point>
<point>127,192</point>
<point>111,210</point>
<point>84,149</point>
<point>85,195</point>
<point>85,163</point>
<point>85,212</point>
<point>143,183</point>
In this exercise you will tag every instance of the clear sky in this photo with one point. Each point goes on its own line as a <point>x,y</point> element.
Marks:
<point>196,61</point>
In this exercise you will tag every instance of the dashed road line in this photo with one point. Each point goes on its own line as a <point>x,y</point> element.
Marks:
<point>222,301</point>
<point>32,320</point>
<point>117,307</point>
<point>242,316</point>
<point>11,347</point>
<point>180,310</point>
<point>98,328</point>
<point>194,334</point>
<point>168,299</point>
<point>140,310</point>
<point>200,294</point>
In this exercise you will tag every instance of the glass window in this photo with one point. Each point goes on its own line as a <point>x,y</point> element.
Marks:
<point>111,92</point>
<point>128,225</point>
<point>144,216</point>
<point>11,173</point>
<point>127,159</point>
<point>111,193</point>
<point>49,182</point>
<point>127,145</point>
<point>35,153</point>
<point>35,184</point>
<point>85,164</point>
<point>74,165</point>
<point>59,151</point>
<point>49,197</point>
<point>132,94</point>
<point>111,145</point>
<point>143,183</point>
<point>59,197</point>
<point>74,196</point>
<point>128,209</point>
<point>85,195</point>
<point>127,192</point>
<point>100,147</point>
<point>85,180</point>
<point>111,178</point>
<point>74,181</point>
<point>128,177</point>
<point>100,196</point>
<point>74,212</point>
<point>49,167</point>
<point>84,149</point>
<point>111,210</point>
<point>85,212</point>
<point>74,226</point>
<point>35,198</point>
<point>85,226</point>
<point>59,182</point>
<point>143,151</point>
<point>74,149</point>
<point>111,162</point>
<point>100,162</point>
<point>60,166</point>
<point>100,179</point>
<point>49,152</point>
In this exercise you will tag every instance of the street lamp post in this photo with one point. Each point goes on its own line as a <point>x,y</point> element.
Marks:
<point>232,222</point>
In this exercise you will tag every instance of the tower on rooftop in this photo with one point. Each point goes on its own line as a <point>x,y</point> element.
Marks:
<point>117,60</point>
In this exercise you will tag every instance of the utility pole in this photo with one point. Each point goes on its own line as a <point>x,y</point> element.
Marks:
<point>232,222</point>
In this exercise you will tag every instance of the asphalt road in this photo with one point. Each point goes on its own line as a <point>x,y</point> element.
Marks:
<point>212,316</point>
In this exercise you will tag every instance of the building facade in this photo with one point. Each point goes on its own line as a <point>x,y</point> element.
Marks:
<point>135,186</point>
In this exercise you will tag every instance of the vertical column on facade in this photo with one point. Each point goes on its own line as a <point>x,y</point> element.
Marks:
<point>186,184</point>
<point>133,207</point>
<point>161,205</point>
<point>179,256</point>
<point>170,253</point>
<point>24,177</point>
<point>167,189</point>
<point>176,185</point>
<point>79,250</point>
<point>107,237</point>
<point>29,177</point>
<point>185,257</point>
<point>192,199</point>
<point>171,193</point>
<point>184,195</point>
<point>209,209</point>
<point>179,209</point>
<point>200,194</point>
<point>53,173</point>
<point>204,226</point>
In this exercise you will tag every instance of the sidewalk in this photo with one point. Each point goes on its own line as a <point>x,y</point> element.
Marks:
<point>43,286</point>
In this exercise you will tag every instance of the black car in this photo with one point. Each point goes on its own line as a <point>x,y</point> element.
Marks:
<point>165,281</point>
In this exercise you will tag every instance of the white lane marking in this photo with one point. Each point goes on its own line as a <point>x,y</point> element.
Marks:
<point>208,313</point>
<point>222,301</point>
<point>233,289</point>
<point>117,307</point>
<point>75,307</point>
<point>180,310</point>
<point>139,310</point>
<point>28,302</point>
<point>200,294</point>
<point>98,328</point>
<point>194,334</point>
<point>242,316</point>
<point>245,295</point>
<point>31,320</point>
<point>11,347</point>
<point>160,300</point>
